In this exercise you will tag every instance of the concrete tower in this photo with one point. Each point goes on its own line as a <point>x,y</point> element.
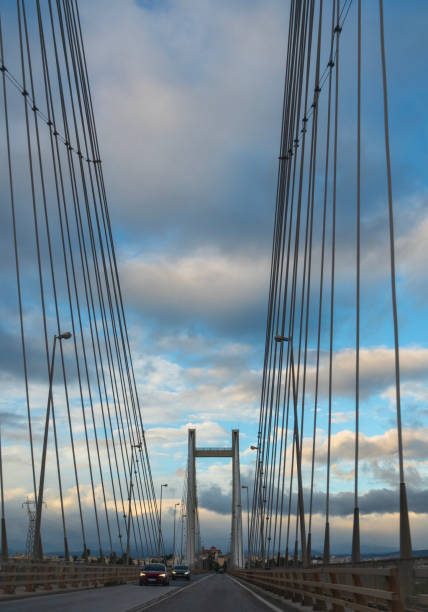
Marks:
<point>193,452</point>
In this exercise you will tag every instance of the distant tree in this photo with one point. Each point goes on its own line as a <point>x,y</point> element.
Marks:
<point>113,557</point>
<point>122,560</point>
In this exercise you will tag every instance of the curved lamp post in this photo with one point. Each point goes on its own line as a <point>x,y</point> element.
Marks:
<point>173,545</point>
<point>160,519</point>
<point>128,530</point>
<point>37,548</point>
<point>248,523</point>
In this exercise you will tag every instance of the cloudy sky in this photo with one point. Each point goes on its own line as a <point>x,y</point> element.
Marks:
<point>188,104</point>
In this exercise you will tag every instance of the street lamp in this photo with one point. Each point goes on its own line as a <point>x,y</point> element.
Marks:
<point>173,545</point>
<point>280,338</point>
<point>183,516</point>
<point>37,548</point>
<point>160,519</point>
<point>4,551</point>
<point>262,501</point>
<point>248,524</point>
<point>128,529</point>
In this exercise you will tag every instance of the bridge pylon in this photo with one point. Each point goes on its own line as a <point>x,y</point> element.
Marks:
<point>191,502</point>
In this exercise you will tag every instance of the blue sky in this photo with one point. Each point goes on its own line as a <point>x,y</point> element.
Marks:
<point>188,103</point>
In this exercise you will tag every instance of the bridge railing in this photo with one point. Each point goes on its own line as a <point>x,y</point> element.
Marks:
<point>351,588</point>
<point>31,577</point>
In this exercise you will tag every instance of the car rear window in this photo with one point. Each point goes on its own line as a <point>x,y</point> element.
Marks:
<point>155,567</point>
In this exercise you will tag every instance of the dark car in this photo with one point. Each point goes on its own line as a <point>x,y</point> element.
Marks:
<point>180,571</point>
<point>155,573</point>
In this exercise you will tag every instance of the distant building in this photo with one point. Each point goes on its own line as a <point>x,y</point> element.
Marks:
<point>212,552</point>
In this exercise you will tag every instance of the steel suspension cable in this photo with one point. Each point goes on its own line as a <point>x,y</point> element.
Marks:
<point>356,524</point>
<point>337,31</point>
<point>17,264</point>
<point>405,538</point>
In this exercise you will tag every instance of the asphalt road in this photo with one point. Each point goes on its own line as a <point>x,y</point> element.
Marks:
<point>108,599</point>
<point>214,593</point>
<point>209,592</point>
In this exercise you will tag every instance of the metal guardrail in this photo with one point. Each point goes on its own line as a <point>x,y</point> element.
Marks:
<point>352,588</point>
<point>31,577</point>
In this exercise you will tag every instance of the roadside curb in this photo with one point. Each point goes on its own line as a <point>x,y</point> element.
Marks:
<point>161,598</point>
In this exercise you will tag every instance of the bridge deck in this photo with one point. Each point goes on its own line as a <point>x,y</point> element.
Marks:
<point>109,599</point>
<point>220,591</point>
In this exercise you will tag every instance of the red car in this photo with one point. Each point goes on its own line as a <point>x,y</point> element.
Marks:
<point>155,573</point>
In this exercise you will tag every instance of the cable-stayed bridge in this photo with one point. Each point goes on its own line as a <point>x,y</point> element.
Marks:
<point>77,372</point>
<point>86,469</point>
<point>303,186</point>
<point>294,467</point>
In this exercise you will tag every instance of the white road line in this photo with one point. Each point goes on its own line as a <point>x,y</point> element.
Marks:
<point>163,598</point>
<point>266,603</point>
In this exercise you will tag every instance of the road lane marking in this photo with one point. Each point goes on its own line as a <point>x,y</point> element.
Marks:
<point>267,603</point>
<point>163,598</point>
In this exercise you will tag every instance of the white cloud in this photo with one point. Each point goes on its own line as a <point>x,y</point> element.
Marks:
<point>341,417</point>
<point>412,246</point>
<point>225,387</point>
<point>371,446</point>
<point>179,73</point>
<point>377,371</point>
<point>208,433</point>
<point>205,285</point>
